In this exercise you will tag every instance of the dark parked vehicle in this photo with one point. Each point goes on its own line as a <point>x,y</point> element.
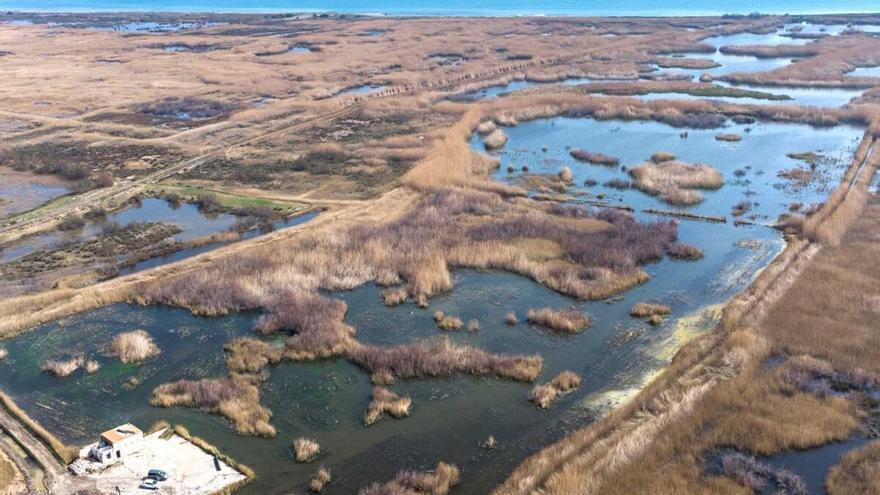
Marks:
<point>157,474</point>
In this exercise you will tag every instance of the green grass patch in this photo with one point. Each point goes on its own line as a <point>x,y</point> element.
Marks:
<point>227,200</point>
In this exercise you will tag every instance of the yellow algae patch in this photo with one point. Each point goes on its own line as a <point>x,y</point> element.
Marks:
<point>686,329</point>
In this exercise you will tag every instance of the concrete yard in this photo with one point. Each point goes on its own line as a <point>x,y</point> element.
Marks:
<point>190,470</point>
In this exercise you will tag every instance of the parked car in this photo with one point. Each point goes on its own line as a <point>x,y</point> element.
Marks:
<point>158,475</point>
<point>149,484</point>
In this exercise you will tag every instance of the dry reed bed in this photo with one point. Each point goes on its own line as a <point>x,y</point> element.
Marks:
<point>437,482</point>
<point>594,157</point>
<point>450,163</point>
<point>236,398</point>
<point>599,257</point>
<point>643,310</point>
<point>857,472</point>
<point>566,321</point>
<point>674,182</point>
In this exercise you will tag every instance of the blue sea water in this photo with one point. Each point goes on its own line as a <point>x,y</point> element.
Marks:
<point>463,7</point>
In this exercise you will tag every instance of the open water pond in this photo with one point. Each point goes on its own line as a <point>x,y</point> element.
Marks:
<point>813,465</point>
<point>363,89</point>
<point>192,222</point>
<point>186,253</point>
<point>21,192</point>
<point>865,72</point>
<point>503,89</point>
<point>451,417</point>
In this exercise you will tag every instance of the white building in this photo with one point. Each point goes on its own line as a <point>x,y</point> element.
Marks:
<point>117,443</point>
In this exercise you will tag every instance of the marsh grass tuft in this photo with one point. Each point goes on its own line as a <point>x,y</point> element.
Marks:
<point>386,401</point>
<point>133,347</point>
<point>594,158</point>
<point>730,137</point>
<point>63,368</point>
<point>682,251</point>
<point>319,480</point>
<point>306,449</point>
<point>394,296</point>
<point>495,139</point>
<point>544,395</point>
<point>643,310</point>
<point>510,318</point>
<point>857,472</point>
<point>447,322</point>
<point>566,175</point>
<point>92,366</point>
<point>567,321</point>
<point>3,353</point>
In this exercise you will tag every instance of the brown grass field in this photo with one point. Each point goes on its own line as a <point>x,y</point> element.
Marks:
<point>407,201</point>
<point>11,479</point>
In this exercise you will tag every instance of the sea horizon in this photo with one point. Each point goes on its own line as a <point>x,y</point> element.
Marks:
<point>449,8</point>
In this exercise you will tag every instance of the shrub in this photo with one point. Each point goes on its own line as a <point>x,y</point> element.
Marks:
<point>306,449</point>
<point>569,321</point>
<point>96,212</point>
<point>386,401</point>
<point>208,202</point>
<point>104,179</point>
<point>747,471</point>
<point>319,480</point>
<point>71,222</point>
<point>133,347</point>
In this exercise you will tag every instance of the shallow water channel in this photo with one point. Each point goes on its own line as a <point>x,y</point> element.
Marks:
<point>450,418</point>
